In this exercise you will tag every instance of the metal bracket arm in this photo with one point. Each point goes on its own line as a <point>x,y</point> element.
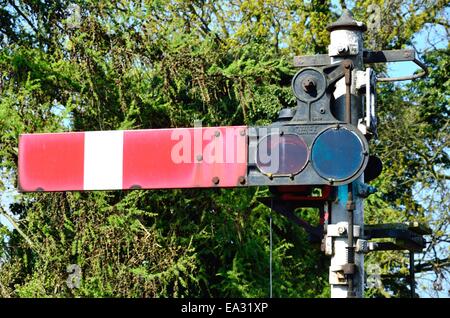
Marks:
<point>370,57</point>
<point>395,56</point>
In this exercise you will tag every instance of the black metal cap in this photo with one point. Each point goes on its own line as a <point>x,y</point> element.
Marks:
<point>346,21</point>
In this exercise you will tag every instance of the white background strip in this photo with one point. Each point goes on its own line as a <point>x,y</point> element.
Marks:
<point>103,160</point>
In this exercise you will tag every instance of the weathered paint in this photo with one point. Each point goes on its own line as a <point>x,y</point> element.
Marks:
<point>148,163</point>
<point>140,159</point>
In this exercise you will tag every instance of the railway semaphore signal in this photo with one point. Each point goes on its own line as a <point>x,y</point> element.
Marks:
<point>322,143</point>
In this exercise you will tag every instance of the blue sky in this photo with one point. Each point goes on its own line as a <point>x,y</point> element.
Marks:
<point>438,38</point>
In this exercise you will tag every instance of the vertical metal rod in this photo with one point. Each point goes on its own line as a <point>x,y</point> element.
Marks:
<point>412,280</point>
<point>350,249</point>
<point>348,92</point>
<point>350,203</point>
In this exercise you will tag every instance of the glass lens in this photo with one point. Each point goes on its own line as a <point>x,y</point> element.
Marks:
<point>337,154</point>
<point>286,154</point>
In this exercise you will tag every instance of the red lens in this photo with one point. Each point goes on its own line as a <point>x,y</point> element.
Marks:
<point>281,155</point>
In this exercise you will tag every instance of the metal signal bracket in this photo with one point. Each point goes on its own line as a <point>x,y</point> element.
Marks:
<point>385,56</point>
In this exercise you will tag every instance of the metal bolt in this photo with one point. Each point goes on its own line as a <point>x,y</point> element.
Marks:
<point>216,180</point>
<point>322,111</point>
<point>217,133</point>
<point>242,180</point>
<point>242,132</point>
<point>309,84</point>
<point>199,157</point>
<point>341,230</point>
<point>347,64</point>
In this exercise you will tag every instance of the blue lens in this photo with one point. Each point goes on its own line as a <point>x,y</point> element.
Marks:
<point>337,154</point>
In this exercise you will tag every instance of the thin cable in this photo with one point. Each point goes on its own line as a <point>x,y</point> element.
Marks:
<point>271,245</point>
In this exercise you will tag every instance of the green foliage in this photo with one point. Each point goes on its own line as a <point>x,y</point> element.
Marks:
<point>129,65</point>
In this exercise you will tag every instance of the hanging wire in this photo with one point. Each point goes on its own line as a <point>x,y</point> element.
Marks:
<point>271,245</point>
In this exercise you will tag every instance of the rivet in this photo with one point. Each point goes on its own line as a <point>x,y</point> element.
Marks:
<point>217,133</point>
<point>242,180</point>
<point>242,132</point>
<point>216,180</point>
<point>199,157</point>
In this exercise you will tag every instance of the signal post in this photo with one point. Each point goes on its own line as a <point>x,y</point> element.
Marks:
<point>346,274</point>
<point>322,143</point>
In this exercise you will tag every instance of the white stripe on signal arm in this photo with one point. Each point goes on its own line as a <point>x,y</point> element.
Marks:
<point>103,160</point>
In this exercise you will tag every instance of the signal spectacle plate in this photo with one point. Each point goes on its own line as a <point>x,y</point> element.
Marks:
<point>338,154</point>
<point>285,154</point>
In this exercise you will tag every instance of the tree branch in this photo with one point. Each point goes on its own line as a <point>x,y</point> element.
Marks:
<point>23,15</point>
<point>16,226</point>
<point>431,265</point>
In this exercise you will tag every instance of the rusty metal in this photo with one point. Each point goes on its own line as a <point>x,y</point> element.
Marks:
<point>312,60</point>
<point>369,57</point>
<point>408,77</point>
<point>395,56</point>
<point>406,236</point>
<point>309,84</point>
<point>387,56</point>
<point>348,66</point>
